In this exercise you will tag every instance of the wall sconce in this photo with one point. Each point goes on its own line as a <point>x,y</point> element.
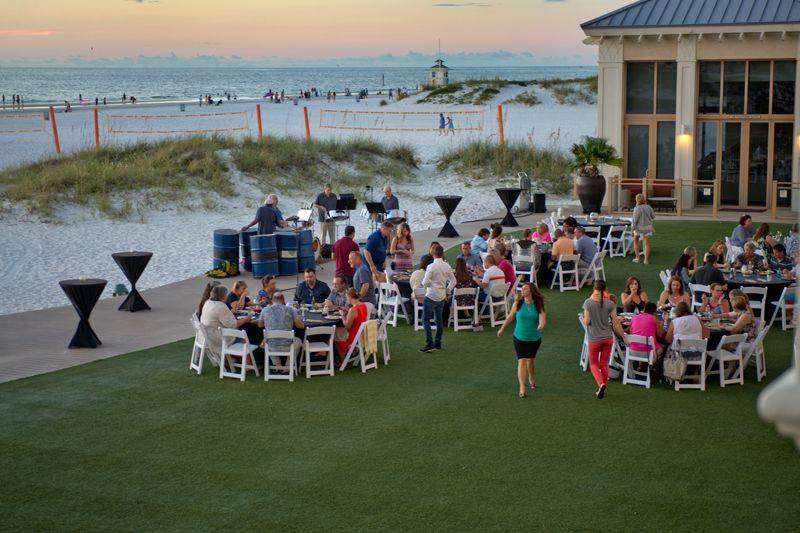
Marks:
<point>685,135</point>
<point>685,130</point>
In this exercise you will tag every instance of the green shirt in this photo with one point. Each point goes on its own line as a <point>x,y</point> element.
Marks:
<point>526,327</point>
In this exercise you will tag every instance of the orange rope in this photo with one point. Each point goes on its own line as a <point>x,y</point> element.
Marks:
<point>370,128</point>
<point>348,111</point>
<point>197,115</point>
<point>112,130</point>
<point>22,131</point>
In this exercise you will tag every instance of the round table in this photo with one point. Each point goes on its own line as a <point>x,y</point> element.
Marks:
<point>403,282</point>
<point>448,206</point>
<point>83,294</point>
<point>508,196</point>
<point>773,284</point>
<point>132,265</point>
<point>603,223</point>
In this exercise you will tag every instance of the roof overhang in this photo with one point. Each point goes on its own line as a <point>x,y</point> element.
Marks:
<point>737,29</point>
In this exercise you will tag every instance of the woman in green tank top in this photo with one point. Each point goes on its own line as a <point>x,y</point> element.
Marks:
<point>528,313</point>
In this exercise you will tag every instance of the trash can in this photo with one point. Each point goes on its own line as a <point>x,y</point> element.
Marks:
<point>538,205</point>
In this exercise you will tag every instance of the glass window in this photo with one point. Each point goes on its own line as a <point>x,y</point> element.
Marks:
<point>640,78</point>
<point>757,170</point>
<point>782,167</point>
<point>638,150</point>
<point>783,88</point>
<point>665,151</point>
<point>758,88</point>
<point>706,158</point>
<point>733,101</point>
<point>731,162</point>
<point>708,100</point>
<point>667,85</point>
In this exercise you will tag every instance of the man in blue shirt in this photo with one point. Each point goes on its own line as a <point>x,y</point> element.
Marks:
<point>324,204</point>
<point>266,219</point>
<point>471,259</point>
<point>362,279</point>
<point>779,261</point>
<point>743,232</point>
<point>480,242</point>
<point>585,247</point>
<point>377,244</point>
<point>311,290</point>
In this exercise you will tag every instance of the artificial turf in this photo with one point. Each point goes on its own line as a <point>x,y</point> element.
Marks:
<point>432,441</point>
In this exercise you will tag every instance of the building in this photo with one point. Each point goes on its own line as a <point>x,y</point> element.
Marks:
<point>439,74</point>
<point>703,92</point>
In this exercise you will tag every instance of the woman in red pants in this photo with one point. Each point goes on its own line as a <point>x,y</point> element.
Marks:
<point>600,319</point>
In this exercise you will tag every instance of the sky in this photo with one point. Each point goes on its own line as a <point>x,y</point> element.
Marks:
<point>306,30</point>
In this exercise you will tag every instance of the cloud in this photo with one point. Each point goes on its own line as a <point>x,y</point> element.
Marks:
<point>145,1</point>
<point>26,33</point>
<point>462,4</point>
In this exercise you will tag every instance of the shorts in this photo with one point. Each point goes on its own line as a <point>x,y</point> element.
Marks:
<point>526,349</point>
<point>646,231</point>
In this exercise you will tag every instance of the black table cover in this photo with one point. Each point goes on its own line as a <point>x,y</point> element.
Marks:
<point>774,286</point>
<point>448,206</point>
<point>83,294</point>
<point>509,197</point>
<point>132,265</point>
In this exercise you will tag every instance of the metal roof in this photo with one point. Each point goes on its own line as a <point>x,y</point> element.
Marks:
<point>664,13</point>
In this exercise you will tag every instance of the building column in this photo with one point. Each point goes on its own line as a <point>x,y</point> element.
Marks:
<point>686,115</point>
<point>611,99</point>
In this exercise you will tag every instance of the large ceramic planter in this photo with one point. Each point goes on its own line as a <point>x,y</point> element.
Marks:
<point>591,192</point>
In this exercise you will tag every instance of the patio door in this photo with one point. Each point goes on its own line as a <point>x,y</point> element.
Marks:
<point>650,149</point>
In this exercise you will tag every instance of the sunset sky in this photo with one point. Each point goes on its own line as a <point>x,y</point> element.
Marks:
<point>93,29</point>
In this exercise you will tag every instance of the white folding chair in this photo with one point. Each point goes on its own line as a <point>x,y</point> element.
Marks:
<point>734,252</point>
<point>236,358</point>
<point>272,367</point>
<point>695,353</point>
<point>370,310</point>
<point>383,340</point>
<point>418,324</point>
<point>318,368</point>
<point>358,354</point>
<point>552,224</point>
<point>664,276</point>
<point>566,267</point>
<point>512,291</point>
<point>729,257</point>
<point>754,354</point>
<point>784,308</point>
<point>593,232</point>
<point>526,265</point>
<point>631,375</point>
<point>758,301</point>
<point>697,291</point>
<point>495,301</point>
<point>199,347</point>
<point>596,269</point>
<point>463,316</point>
<point>616,241</point>
<point>391,303</point>
<point>723,355</point>
<point>583,361</point>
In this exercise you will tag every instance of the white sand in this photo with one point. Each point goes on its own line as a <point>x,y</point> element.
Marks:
<point>37,254</point>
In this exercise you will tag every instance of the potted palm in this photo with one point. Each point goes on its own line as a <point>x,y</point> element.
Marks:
<point>590,184</point>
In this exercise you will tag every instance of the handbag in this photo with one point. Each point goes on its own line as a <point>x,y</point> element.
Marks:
<point>675,366</point>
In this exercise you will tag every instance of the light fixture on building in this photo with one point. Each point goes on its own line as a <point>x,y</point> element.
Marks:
<point>685,135</point>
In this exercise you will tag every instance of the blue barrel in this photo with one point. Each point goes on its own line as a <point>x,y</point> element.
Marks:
<point>264,252</point>
<point>305,237</point>
<point>226,247</point>
<point>305,255</point>
<point>244,248</point>
<point>287,253</point>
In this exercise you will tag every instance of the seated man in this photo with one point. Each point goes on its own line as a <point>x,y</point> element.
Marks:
<point>471,259</point>
<point>337,299</point>
<point>492,275</point>
<point>743,232</point>
<point>563,245</point>
<point>480,242</point>
<point>362,280</point>
<point>708,274</point>
<point>779,261</point>
<point>311,291</point>
<point>749,257</point>
<point>498,252</point>
<point>585,247</point>
<point>280,317</point>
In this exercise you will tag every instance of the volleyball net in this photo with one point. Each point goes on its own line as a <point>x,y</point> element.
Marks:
<point>189,123</point>
<point>13,123</point>
<point>412,121</point>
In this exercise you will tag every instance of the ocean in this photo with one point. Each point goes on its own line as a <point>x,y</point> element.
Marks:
<point>40,85</point>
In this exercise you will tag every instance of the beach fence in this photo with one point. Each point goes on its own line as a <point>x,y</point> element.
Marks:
<point>399,121</point>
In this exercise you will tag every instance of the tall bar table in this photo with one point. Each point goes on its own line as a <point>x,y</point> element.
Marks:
<point>448,206</point>
<point>83,294</point>
<point>509,197</point>
<point>132,265</point>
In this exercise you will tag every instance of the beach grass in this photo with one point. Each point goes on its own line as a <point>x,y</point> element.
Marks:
<point>566,91</point>
<point>485,160</point>
<point>430,442</point>
<point>526,98</point>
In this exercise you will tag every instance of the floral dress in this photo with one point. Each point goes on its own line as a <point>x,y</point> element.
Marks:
<point>402,256</point>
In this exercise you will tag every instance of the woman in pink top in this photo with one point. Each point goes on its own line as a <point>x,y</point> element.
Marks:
<point>541,235</point>
<point>645,325</point>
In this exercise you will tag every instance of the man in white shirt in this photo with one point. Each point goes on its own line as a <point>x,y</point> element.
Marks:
<point>492,275</point>
<point>438,281</point>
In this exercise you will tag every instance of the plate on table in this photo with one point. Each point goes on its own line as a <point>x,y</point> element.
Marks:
<point>332,317</point>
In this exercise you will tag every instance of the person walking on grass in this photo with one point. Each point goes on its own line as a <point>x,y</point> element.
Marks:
<point>439,280</point>
<point>642,226</point>
<point>601,322</point>
<point>530,319</point>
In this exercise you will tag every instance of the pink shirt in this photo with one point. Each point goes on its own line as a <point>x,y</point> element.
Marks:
<point>644,325</point>
<point>544,237</point>
<point>508,269</point>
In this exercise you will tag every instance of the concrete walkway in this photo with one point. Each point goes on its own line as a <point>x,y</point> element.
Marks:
<point>35,342</point>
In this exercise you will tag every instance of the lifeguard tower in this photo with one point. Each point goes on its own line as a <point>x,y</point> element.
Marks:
<point>439,74</point>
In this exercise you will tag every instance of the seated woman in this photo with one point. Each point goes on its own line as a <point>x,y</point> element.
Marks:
<point>496,236</point>
<point>646,324</point>
<point>749,257</point>
<point>415,280</point>
<point>523,250</point>
<point>464,280</point>
<point>237,299</point>
<point>674,295</point>
<point>215,315</point>
<point>205,296</point>
<point>763,239</point>
<point>402,248</point>
<point>745,321</point>
<point>633,297</point>
<point>269,286</point>
<point>716,304</point>
<point>720,256</point>
<point>542,234</point>
<point>686,265</point>
<point>356,315</point>
<point>685,325</point>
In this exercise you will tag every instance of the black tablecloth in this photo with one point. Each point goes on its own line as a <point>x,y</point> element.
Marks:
<point>603,223</point>
<point>132,265</point>
<point>448,206</point>
<point>774,286</point>
<point>83,294</point>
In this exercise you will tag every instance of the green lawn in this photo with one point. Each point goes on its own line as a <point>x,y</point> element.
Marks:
<point>431,441</point>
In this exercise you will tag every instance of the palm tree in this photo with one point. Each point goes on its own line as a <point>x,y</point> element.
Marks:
<point>591,154</point>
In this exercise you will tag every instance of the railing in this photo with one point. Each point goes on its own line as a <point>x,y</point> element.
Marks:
<point>679,189</point>
<point>779,212</point>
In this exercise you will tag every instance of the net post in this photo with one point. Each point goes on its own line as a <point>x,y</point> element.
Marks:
<point>55,130</point>
<point>500,133</point>
<point>96,130</point>
<point>258,119</point>
<point>308,127</point>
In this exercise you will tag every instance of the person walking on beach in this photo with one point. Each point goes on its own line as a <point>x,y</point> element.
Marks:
<point>124,97</point>
<point>96,101</point>
<point>601,322</point>
<point>450,125</point>
<point>442,123</point>
<point>439,280</point>
<point>104,101</point>
<point>530,319</point>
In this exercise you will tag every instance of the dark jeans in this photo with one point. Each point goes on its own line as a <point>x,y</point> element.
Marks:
<point>432,309</point>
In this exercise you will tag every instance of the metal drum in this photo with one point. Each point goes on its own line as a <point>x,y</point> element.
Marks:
<point>395,216</point>
<point>287,253</point>
<point>244,248</point>
<point>305,252</point>
<point>226,247</point>
<point>264,252</point>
